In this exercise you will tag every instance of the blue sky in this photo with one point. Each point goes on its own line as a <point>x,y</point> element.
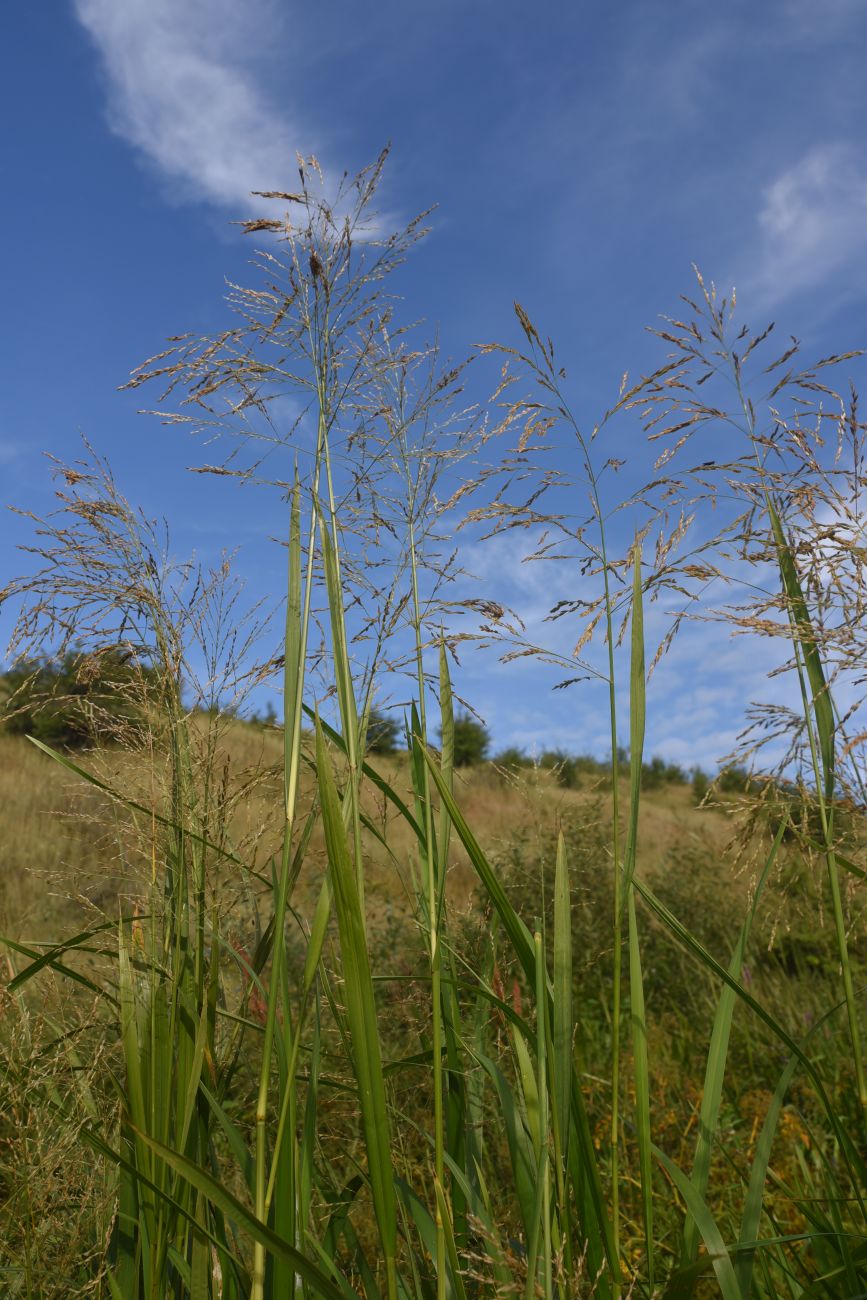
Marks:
<point>582,156</point>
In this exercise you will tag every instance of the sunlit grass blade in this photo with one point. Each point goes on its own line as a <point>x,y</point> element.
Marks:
<point>361,1013</point>
<point>637,1012</point>
<point>809,644</point>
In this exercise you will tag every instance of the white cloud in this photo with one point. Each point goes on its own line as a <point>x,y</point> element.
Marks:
<point>182,88</point>
<point>813,222</point>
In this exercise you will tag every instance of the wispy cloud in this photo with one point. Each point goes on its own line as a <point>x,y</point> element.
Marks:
<point>813,225</point>
<point>183,90</point>
<point>805,20</point>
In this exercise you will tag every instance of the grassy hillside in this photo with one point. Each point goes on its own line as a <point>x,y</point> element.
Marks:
<point>75,860</point>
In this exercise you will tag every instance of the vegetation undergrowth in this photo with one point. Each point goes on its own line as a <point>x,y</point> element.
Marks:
<point>260,1074</point>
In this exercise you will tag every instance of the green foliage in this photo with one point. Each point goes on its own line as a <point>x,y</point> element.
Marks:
<point>471,741</point>
<point>78,699</point>
<point>658,773</point>
<point>512,759</point>
<point>733,780</point>
<point>563,767</point>
<point>383,733</point>
<point>700,782</point>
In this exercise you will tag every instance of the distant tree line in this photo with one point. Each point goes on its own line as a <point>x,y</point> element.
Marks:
<point>80,699</point>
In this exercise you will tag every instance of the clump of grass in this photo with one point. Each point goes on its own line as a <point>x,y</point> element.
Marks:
<point>264,1127</point>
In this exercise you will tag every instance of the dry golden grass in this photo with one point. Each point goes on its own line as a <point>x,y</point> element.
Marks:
<point>70,852</point>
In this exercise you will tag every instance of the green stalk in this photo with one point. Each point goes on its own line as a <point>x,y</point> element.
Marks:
<point>563,409</point>
<point>360,1015</point>
<point>295,653</point>
<point>561,1046</point>
<point>637,717</point>
<point>544,1163</point>
<point>433,905</point>
<point>819,718</point>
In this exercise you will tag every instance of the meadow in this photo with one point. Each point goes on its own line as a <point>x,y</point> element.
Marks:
<point>283,1014</point>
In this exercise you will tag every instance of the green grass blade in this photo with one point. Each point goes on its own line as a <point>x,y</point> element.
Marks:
<point>384,787</point>
<point>642,1084</point>
<point>340,649</point>
<point>637,713</point>
<point>518,934</point>
<point>718,1054</point>
<point>52,955</point>
<point>132,1049</point>
<point>563,1016</point>
<point>755,1193</point>
<point>716,1247</point>
<point>520,1146</point>
<point>66,971</point>
<point>451,1250</point>
<point>593,1215</point>
<point>692,944</point>
<point>168,822</point>
<point>808,641</point>
<point>360,1011</point>
<point>447,756</point>
<point>637,1014</point>
<point>237,1212</point>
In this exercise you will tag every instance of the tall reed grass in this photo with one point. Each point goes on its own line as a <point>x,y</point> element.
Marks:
<point>251,1117</point>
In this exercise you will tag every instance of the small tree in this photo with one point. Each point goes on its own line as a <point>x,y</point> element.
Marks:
<point>512,758</point>
<point>471,741</point>
<point>382,733</point>
<point>733,780</point>
<point>563,767</point>
<point>700,784</point>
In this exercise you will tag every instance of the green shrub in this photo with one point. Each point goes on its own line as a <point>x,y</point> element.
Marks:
<point>471,741</point>
<point>382,733</point>
<point>562,766</point>
<point>511,758</point>
<point>78,699</point>
<point>733,780</point>
<point>657,773</point>
<point>700,784</point>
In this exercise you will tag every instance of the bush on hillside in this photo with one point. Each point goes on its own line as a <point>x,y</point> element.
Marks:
<point>77,700</point>
<point>471,741</point>
<point>383,733</point>
<point>511,759</point>
<point>562,766</point>
<point>733,780</point>
<point>658,773</point>
<point>700,784</point>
